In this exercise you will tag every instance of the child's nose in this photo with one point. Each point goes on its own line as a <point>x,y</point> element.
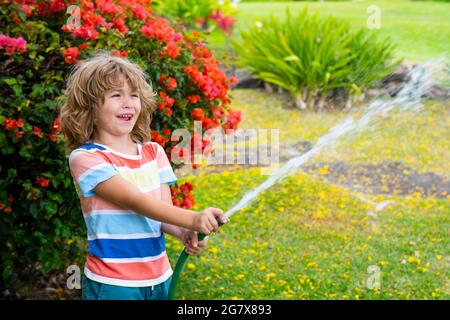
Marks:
<point>127,102</point>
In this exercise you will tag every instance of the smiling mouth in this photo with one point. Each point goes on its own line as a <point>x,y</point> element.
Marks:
<point>125,117</point>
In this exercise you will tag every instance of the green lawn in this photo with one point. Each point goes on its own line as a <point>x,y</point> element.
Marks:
<point>420,29</point>
<point>307,239</point>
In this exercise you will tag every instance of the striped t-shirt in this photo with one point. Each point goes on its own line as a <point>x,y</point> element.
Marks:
<point>125,248</point>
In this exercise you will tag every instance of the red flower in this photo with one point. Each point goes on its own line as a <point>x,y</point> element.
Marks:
<point>162,78</point>
<point>37,132</point>
<point>186,188</point>
<point>71,54</point>
<point>12,44</point>
<point>10,123</point>
<point>120,25</point>
<point>56,125</point>
<point>160,29</point>
<point>167,132</point>
<point>171,50</point>
<point>53,137</point>
<point>42,182</point>
<point>223,22</point>
<point>167,101</point>
<point>84,46</point>
<point>120,54</point>
<point>232,120</point>
<point>172,83</point>
<point>218,112</point>
<point>27,9</point>
<point>209,123</point>
<point>19,134</point>
<point>194,99</point>
<point>188,202</point>
<point>233,80</point>
<point>156,137</point>
<point>48,8</point>
<point>13,123</point>
<point>168,111</point>
<point>19,123</point>
<point>139,12</point>
<point>197,114</point>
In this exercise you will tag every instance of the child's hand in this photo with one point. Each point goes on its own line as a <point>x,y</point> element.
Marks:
<point>190,241</point>
<point>208,220</point>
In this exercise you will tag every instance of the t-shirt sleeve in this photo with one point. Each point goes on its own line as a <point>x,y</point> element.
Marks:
<point>166,174</point>
<point>88,170</point>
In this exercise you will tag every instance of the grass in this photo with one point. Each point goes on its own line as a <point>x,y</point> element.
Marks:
<point>307,239</point>
<point>420,29</point>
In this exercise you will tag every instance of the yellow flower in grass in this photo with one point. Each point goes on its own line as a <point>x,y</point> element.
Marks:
<point>282,282</point>
<point>323,170</point>
<point>422,269</point>
<point>319,215</point>
<point>382,263</point>
<point>269,276</point>
<point>288,293</point>
<point>191,266</point>
<point>413,260</point>
<point>239,277</point>
<point>213,250</point>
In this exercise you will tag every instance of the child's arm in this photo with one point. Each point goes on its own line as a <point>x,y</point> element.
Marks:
<point>118,190</point>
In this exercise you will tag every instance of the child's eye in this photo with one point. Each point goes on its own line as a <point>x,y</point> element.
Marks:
<point>116,95</point>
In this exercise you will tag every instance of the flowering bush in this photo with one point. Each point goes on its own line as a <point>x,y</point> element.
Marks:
<point>39,42</point>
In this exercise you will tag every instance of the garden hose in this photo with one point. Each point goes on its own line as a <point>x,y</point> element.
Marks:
<point>178,269</point>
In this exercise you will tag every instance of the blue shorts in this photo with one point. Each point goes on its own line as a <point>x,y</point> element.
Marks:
<point>93,290</point>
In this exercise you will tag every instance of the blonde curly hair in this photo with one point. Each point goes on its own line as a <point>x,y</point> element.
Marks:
<point>85,94</point>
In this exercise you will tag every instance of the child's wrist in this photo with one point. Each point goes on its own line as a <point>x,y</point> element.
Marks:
<point>192,216</point>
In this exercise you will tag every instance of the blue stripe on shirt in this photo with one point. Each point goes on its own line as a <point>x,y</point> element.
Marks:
<point>120,223</point>
<point>91,178</point>
<point>127,248</point>
<point>91,146</point>
<point>167,176</point>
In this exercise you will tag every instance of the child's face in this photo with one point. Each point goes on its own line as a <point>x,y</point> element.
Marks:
<point>118,115</point>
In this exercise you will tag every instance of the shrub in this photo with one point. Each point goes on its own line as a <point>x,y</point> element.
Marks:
<point>204,14</point>
<point>310,57</point>
<point>41,224</point>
